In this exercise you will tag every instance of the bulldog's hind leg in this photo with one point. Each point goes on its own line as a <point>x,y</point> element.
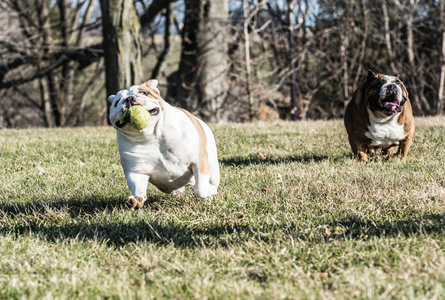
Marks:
<point>203,187</point>
<point>138,185</point>
<point>215,177</point>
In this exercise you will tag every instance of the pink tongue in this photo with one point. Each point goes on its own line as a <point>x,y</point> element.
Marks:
<point>391,105</point>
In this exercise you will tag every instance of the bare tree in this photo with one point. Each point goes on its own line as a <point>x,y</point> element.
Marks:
<point>344,48</point>
<point>36,57</point>
<point>246,20</point>
<point>159,15</point>
<point>410,7</point>
<point>388,39</point>
<point>168,40</point>
<point>201,84</point>
<point>296,58</point>
<point>296,105</point>
<point>122,44</point>
<point>440,101</point>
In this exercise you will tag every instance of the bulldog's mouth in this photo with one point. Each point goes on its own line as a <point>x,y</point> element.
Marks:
<point>390,99</point>
<point>125,120</point>
<point>390,105</point>
<point>120,124</point>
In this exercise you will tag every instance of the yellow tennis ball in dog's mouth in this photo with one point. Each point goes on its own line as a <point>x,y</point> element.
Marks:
<point>139,117</point>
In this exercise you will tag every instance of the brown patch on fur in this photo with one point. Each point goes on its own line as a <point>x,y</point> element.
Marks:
<point>203,164</point>
<point>357,122</point>
<point>406,118</point>
<point>145,88</point>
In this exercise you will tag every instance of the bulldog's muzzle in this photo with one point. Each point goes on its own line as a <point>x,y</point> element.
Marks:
<point>128,102</point>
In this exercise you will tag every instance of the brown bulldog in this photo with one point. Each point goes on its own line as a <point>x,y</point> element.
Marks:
<point>379,116</point>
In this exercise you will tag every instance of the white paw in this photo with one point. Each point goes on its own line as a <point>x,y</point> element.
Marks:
<point>133,202</point>
<point>207,193</point>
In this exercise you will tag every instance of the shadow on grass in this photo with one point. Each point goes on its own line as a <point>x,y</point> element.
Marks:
<point>76,208</point>
<point>354,227</point>
<point>35,219</point>
<point>257,160</point>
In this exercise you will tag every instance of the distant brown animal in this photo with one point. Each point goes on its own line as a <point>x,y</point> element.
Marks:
<point>379,116</point>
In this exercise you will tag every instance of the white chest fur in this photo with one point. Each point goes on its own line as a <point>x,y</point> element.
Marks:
<point>384,131</point>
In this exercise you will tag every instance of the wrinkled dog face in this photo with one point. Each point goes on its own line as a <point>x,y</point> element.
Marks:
<point>146,95</point>
<point>386,94</point>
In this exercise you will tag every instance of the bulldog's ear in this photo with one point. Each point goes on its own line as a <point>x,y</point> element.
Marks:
<point>111,98</point>
<point>404,90</point>
<point>371,75</point>
<point>152,84</point>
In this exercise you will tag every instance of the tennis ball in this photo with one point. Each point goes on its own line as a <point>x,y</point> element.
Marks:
<point>139,117</point>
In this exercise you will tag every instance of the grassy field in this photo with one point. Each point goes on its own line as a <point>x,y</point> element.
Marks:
<point>295,217</point>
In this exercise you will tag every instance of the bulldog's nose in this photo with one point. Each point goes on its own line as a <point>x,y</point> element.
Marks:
<point>130,100</point>
<point>391,89</point>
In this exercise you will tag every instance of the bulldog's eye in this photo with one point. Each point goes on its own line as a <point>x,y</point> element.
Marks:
<point>115,103</point>
<point>144,93</point>
<point>154,111</point>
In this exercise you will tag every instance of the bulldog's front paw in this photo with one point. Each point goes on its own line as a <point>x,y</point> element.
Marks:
<point>135,202</point>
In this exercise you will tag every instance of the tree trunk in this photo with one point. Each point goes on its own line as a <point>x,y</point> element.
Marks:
<point>201,80</point>
<point>297,106</point>
<point>169,37</point>
<point>68,68</point>
<point>246,21</point>
<point>388,38</point>
<point>46,105</point>
<point>51,109</point>
<point>344,50</point>
<point>440,100</point>
<point>415,76</point>
<point>363,48</point>
<point>122,46</point>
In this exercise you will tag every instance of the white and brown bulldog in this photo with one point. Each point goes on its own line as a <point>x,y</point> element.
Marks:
<point>379,116</point>
<point>175,150</point>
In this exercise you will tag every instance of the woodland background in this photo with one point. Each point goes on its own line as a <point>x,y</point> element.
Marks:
<point>233,60</point>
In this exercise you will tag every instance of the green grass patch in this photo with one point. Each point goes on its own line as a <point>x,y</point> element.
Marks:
<point>295,217</point>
